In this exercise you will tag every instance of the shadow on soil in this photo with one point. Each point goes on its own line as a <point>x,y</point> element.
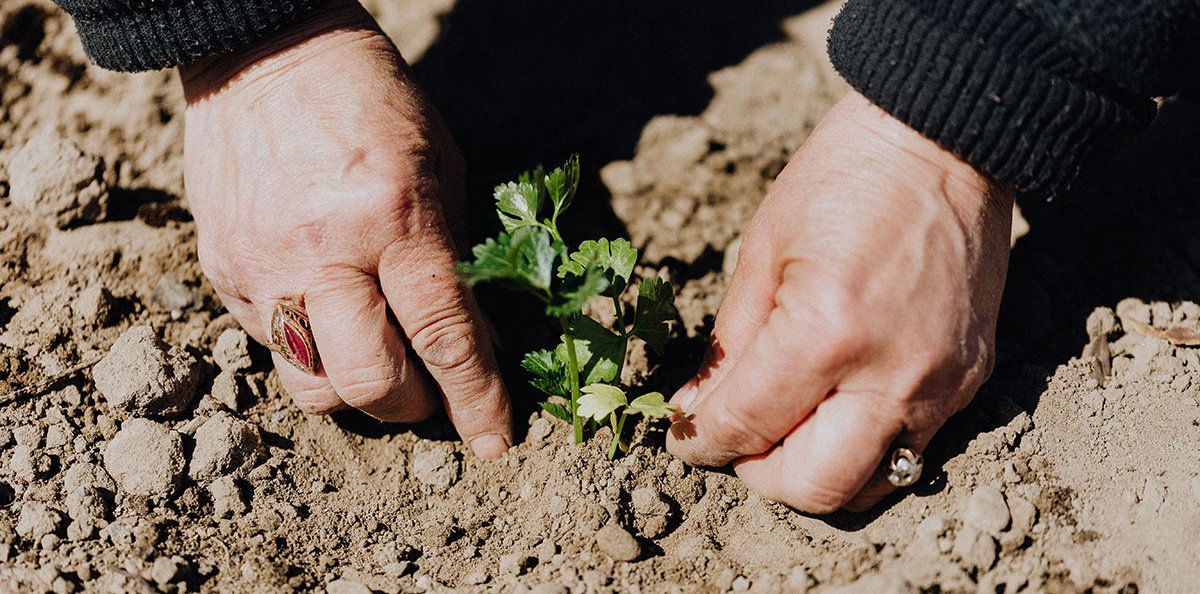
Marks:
<point>530,82</point>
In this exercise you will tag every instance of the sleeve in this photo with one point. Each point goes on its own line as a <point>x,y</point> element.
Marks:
<point>134,35</point>
<point>1025,90</point>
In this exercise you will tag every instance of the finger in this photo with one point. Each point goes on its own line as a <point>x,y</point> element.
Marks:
<point>247,316</point>
<point>362,351</point>
<point>743,311</point>
<point>773,385</point>
<point>878,486</point>
<point>446,330</point>
<point>313,394</point>
<point>828,458</point>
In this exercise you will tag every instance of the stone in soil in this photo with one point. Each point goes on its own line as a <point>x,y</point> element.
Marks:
<point>54,179</point>
<point>435,465</point>
<point>618,543</point>
<point>987,511</point>
<point>145,458</point>
<point>225,445</point>
<point>143,376</point>
<point>232,351</point>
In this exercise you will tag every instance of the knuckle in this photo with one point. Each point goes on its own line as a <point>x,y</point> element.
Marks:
<point>731,431</point>
<point>370,390</point>
<point>810,496</point>
<point>447,343</point>
<point>315,401</point>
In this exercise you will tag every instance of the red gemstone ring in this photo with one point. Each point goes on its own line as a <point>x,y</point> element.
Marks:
<point>291,337</point>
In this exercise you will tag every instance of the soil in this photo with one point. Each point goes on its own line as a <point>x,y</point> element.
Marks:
<point>178,464</point>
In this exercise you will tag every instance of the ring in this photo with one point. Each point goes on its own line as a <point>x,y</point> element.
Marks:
<point>905,467</point>
<point>291,337</point>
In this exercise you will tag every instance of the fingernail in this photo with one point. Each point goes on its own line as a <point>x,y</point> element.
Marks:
<point>685,396</point>
<point>489,446</point>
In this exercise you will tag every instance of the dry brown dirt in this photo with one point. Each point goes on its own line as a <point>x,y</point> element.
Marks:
<point>178,464</point>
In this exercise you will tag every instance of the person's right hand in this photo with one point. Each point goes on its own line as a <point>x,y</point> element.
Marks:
<point>317,173</point>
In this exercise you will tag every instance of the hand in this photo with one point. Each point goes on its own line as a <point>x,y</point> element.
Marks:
<point>315,170</point>
<point>860,317</point>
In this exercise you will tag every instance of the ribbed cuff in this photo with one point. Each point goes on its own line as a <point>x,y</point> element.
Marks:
<point>967,79</point>
<point>152,35</point>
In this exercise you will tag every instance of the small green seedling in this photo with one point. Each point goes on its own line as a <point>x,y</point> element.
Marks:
<point>602,401</point>
<point>531,256</point>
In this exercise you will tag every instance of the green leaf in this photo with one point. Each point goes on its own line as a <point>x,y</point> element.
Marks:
<point>518,203</point>
<point>652,406</point>
<point>549,372</point>
<point>599,401</point>
<point>615,258</point>
<point>522,260</point>
<point>556,410</point>
<point>562,184</point>
<point>574,294</point>
<point>655,307</point>
<point>599,351</point>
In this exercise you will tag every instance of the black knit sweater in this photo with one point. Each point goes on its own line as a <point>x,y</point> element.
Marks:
<point>1025,90</point>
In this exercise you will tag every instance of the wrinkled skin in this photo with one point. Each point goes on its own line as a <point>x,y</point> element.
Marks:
<point>861,315</point>
<point>316,172</point>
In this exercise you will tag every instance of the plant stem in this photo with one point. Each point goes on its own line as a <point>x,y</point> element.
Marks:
<point>573,377</point>
<point>620,315</point>
<point>617,429</point>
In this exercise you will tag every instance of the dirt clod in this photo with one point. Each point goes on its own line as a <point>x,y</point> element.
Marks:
<point>618,543</point>
<point>145,458</point>
<point>436,466</point>
<point>53,178</point>
<point>232,352</point>
<point>225,445</point>
<point>345,586</point>
<point>975,548</point>
<point>142,376</point>
<point>987,511</point>
<point>38,520</point>
<point>652,511</point>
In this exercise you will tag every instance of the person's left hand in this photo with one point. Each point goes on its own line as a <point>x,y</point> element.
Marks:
<point>861,316</point>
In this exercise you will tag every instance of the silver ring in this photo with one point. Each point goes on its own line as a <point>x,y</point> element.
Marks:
<point>905,467</point>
